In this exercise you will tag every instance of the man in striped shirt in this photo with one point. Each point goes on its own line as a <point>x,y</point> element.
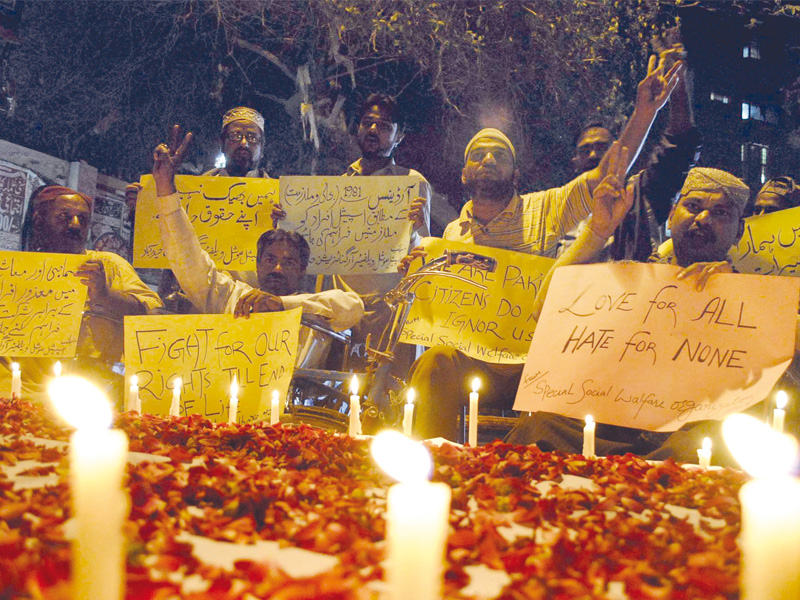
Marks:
<point>498,216</point>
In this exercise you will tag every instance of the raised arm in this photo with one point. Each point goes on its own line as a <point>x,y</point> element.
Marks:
<point>651,96</point>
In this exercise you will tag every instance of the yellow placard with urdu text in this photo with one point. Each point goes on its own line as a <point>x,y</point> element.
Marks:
<point>41,304</point>
<point>632,345</point>
<point>770,245</point>
<point>206,351</point>
<point>228,214</point>
<point>354,225</point>
<point>484,312</point>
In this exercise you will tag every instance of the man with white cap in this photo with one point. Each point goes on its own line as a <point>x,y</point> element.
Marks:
<point>706,221</point>
<point>496,215</point>
<point>242,141</point>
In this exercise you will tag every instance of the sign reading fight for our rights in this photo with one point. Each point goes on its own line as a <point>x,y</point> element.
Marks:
<point>354,225</point>
<point>481,305</point>
<point>770,245</point>
<point>632,345</point>
<point>41,303</point>
<point>228,214</point>
<point>206,351</point>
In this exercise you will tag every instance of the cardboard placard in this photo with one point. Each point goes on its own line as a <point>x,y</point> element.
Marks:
<point>228,214</point>
<point>41,304</point>
<point>487,317</point>
<point>769,245</point>
<point>206,351</point>
<point>633,346</point>
<point>354,225</point>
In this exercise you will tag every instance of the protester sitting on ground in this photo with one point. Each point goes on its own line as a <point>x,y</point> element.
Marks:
<point>706,223</point>
<point>60,219</point>
<point>779,193</point>
<point>282,258</point>
<point>496,215</point>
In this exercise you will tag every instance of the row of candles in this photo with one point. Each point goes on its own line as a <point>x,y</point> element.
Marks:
<point>417,510</point>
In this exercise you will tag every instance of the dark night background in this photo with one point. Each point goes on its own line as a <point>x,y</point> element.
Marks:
<point>101,81</point>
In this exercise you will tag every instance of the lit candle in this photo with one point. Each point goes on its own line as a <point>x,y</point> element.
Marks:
<point>588,437</point>
<point>134,404</point>
<point>97,458</point>
<point>16,381</point>
<point>355,409</point>
<point>233,405</point>
<point>704,454</point>
<point>408,412</point>
<point>275,408</point>
<point>57,368</point>
<point>175,407</point>
<point>779,414</point>
<point>770,531</point>
<point>473,413</point>
<point>416,516</point>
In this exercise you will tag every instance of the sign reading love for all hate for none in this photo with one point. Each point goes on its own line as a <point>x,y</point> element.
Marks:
<point>228,215</point>
<point>41,303</point>
<point>480,305</point>
<point>633,346</point>
<point>354,225</point>
<point>206,351</point>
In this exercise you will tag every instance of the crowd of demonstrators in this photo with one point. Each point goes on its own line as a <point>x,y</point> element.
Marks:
<point>497,215</point>
<point>59,223</point>
<point>281,261</point>
<point>621,217</point>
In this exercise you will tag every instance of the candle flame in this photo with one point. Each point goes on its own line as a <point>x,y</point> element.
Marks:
<point>80,403</point>
<point>57,368</point>
<point>354,386</point>
<point>15,367</point>
<point>589,419</point>
<point>411,395</point>
<point>760,451</point>
<point>234,387</point>
<point>476,384</point>
<point>275,395</point>
<point>401,458</point>
<point>134,381</point>
<point>781,400</point>
<point>176,385</point>
<point>707,444</point>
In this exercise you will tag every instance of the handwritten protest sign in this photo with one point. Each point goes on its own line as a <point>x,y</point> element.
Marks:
<point>770,245</point>
<point>206,351</point>
<point>354,225</point>
<point>41,303</point>
<point>228,214</point>
<point>632,345</point>
<point>487,313</point>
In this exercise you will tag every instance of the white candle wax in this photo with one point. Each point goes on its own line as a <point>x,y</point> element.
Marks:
<point>133,396</point>
<point>275,408</point>
<point>16,381</point>
<point>233,404</point>
<point>416,532</point>
<point>354,425</point>
<point>408,413</point>
<point>175,407</point>
<point>704,454</point>
<point>770,539</point>
<point>779,414</point>
<point>588,437</point>
<point>97,464</point>
<point>473,413</point>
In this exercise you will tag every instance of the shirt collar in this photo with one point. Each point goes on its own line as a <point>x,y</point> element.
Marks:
<point>509,213</point>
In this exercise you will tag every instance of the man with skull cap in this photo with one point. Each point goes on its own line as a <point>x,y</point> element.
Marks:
<point>60,220</point>
<point>497,216</point>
